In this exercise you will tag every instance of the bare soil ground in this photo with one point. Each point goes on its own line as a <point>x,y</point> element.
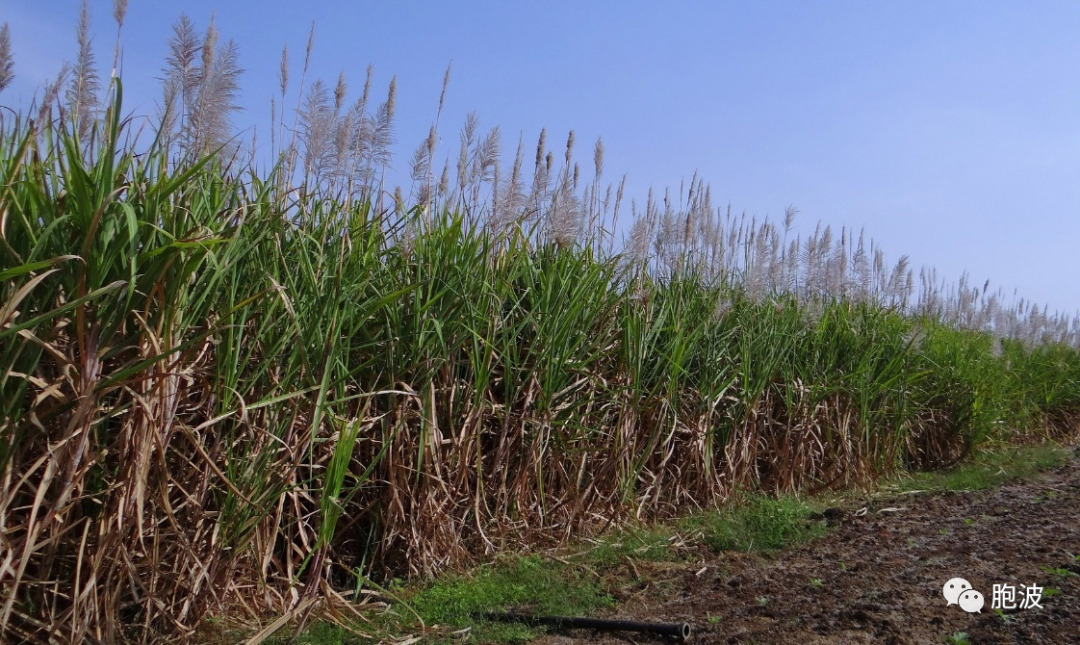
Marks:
<point>878,577</point>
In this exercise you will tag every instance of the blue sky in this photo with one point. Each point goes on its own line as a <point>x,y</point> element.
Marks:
<point>949,130</point>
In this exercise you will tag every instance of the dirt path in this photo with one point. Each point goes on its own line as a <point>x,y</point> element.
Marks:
<point>878,577</point>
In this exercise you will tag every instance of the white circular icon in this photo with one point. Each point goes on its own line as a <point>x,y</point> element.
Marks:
<point>954,588</point>
<point>971,601</point>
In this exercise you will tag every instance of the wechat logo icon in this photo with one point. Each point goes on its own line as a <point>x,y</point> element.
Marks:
<point>959,592</point>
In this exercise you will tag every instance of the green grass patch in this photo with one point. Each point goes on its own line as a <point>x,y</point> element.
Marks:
<point>759,523</point>
<point>530,584</point>
<point>1058,572</point>
<point>990,469</point>
<point>454,601</point>
<point>649,544</point>
<point>319,633</point>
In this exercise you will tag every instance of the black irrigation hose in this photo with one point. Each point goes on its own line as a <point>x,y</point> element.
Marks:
<point>679,630</point>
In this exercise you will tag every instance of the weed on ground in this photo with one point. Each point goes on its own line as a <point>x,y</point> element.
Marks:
<point>989,469</point>
<point>759,523</point>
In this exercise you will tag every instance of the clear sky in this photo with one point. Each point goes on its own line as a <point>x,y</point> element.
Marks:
<point>949,130</point>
